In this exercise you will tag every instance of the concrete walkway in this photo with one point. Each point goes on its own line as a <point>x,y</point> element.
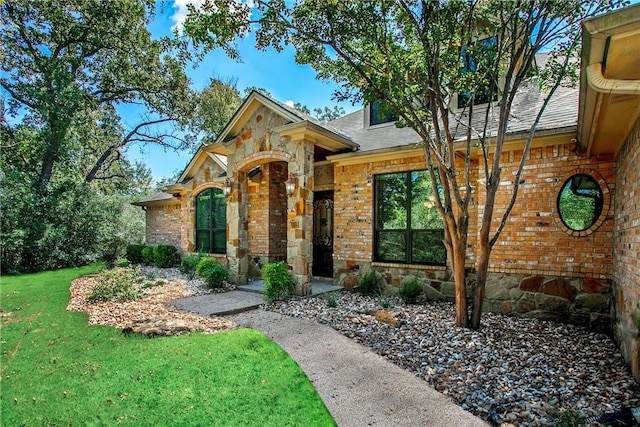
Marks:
<point>358,387</point>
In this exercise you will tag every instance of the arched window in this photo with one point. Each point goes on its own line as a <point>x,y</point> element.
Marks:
<point>211,222</point>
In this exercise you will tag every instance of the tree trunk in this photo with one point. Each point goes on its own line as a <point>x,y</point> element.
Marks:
<point>481,279</point>
<point>460,280</point>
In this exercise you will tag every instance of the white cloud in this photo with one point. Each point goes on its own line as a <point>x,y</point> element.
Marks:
<point>290,103</point>
<point>181,11</point>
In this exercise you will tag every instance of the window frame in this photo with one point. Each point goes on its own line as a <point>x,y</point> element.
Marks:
<point>368,113</point>
<point>409,232</point>
<point>212,231</point>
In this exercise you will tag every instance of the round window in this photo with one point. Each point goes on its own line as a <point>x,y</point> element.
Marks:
<point>580,202</point>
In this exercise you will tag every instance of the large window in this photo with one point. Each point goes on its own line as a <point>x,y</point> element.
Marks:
<point>408,227</point>
<point>211,222</point>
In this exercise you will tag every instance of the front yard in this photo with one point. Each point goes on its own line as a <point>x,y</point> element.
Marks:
<point>59,370</point>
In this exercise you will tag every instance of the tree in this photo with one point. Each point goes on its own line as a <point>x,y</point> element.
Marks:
<point>416,56</point>
<point>216,105</point>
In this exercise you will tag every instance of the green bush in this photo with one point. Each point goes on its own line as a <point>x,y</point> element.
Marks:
<point>165,256</point>
<point>122,263</point>
<point>410,290</point>
<point>369,283</point>
<point>278,280</point>
<point>216,275</point>
<point>204,264</point>
<point>189,263</point>
<point>134,253</point>
<point>117,284</point>
<point>147,255</point>
<point>331,298</point>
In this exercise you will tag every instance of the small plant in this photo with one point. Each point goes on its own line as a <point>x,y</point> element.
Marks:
<point>216,276</point>
<point>568,419</point>
<point>385,301</point>
<point>369,283</point>
<point>147,255</point>
<point>188,263</point>
<point>410,290</point>
<point>331,299</point>
<point>279,281</point>
<point>134,254</point>
<point>204,264</point>
<point>164,256</point>
<point>117,284</point>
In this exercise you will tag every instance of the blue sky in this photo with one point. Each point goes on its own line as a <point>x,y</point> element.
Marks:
<point>274,71</point>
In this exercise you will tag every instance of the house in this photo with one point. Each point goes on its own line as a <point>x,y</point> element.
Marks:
<point>336,199</point>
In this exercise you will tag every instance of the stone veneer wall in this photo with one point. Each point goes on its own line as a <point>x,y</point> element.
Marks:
<point>626,253</point>
<point>163,225</point>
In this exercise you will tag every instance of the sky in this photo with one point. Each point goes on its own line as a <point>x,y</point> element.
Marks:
<point>274,71</point>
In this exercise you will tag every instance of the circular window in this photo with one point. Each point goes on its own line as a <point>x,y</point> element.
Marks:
<point>580,202</point>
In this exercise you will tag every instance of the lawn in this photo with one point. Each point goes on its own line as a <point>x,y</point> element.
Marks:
<point>58,370</point>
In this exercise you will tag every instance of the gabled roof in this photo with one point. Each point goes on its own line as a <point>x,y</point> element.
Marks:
<point>326,135</point>
<point>159,198</point>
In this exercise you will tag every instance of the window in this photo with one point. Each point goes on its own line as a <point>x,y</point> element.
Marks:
<point>480,52</point>
<point>580,202</point>
<point>380,112</point>
<point>408,227</point>
<point>211,221</point>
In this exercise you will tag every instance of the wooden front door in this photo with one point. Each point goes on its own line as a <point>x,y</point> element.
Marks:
<point>323,234</point>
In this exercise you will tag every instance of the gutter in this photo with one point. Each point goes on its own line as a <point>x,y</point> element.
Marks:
<point>601,84</point>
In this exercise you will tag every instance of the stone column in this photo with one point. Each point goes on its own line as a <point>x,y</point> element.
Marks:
<point>237,238</point>
<point>300,217</point>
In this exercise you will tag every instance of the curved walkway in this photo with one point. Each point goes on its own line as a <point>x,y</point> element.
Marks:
<point>359,387</point>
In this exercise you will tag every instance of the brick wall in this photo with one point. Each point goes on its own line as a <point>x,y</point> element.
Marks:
<point>164,225</point>
<point>626,252</point>
<point>533,241</point>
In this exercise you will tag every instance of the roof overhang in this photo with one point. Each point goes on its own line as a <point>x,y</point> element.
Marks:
<point>318,135</point>
<point>609,81</point>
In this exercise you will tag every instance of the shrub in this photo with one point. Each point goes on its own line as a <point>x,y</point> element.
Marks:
<point>134,254</point>
<point>369,283</point>
<point>164,256</point>
<point>117,284</point>
<point>189,263</point>
<point>279,281</point>
<point>410,290</point>
<point>216,275</point>
<point>147,255</point>
<point>122,263</point>
<point>204,264</point>
<point>331,299</point>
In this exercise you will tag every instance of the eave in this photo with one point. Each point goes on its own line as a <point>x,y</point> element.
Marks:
<point>318,135</point>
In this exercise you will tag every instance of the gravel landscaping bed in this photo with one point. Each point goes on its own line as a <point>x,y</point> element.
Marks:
<point>519,371</point>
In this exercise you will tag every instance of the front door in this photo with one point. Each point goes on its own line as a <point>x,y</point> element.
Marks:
<point>323,234</point>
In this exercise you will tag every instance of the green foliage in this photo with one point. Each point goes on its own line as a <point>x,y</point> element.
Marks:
<point>385,301</point>
<point>410,290</point>
<point>369,283</point>
<point>204,264</point>
<point>216,276</point>
<point>569,419</point>
<point>134,253</point>
<point>148,254</point>
<point>75,376</point>
<point>117,284</point>
<point>165,256</point>
<point>188,263</point>
<point>279,282</point>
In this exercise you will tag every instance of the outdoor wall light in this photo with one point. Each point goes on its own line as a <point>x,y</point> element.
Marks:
<point>290,185</point>
<point>226,188</point>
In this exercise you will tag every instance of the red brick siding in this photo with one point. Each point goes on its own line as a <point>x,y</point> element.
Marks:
<point>532,242</point>
<point>626,251</point>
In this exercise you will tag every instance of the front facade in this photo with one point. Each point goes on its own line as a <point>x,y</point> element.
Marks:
<point>334,200</point>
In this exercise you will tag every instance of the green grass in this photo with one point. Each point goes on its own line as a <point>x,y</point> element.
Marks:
<point>58,370</point>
